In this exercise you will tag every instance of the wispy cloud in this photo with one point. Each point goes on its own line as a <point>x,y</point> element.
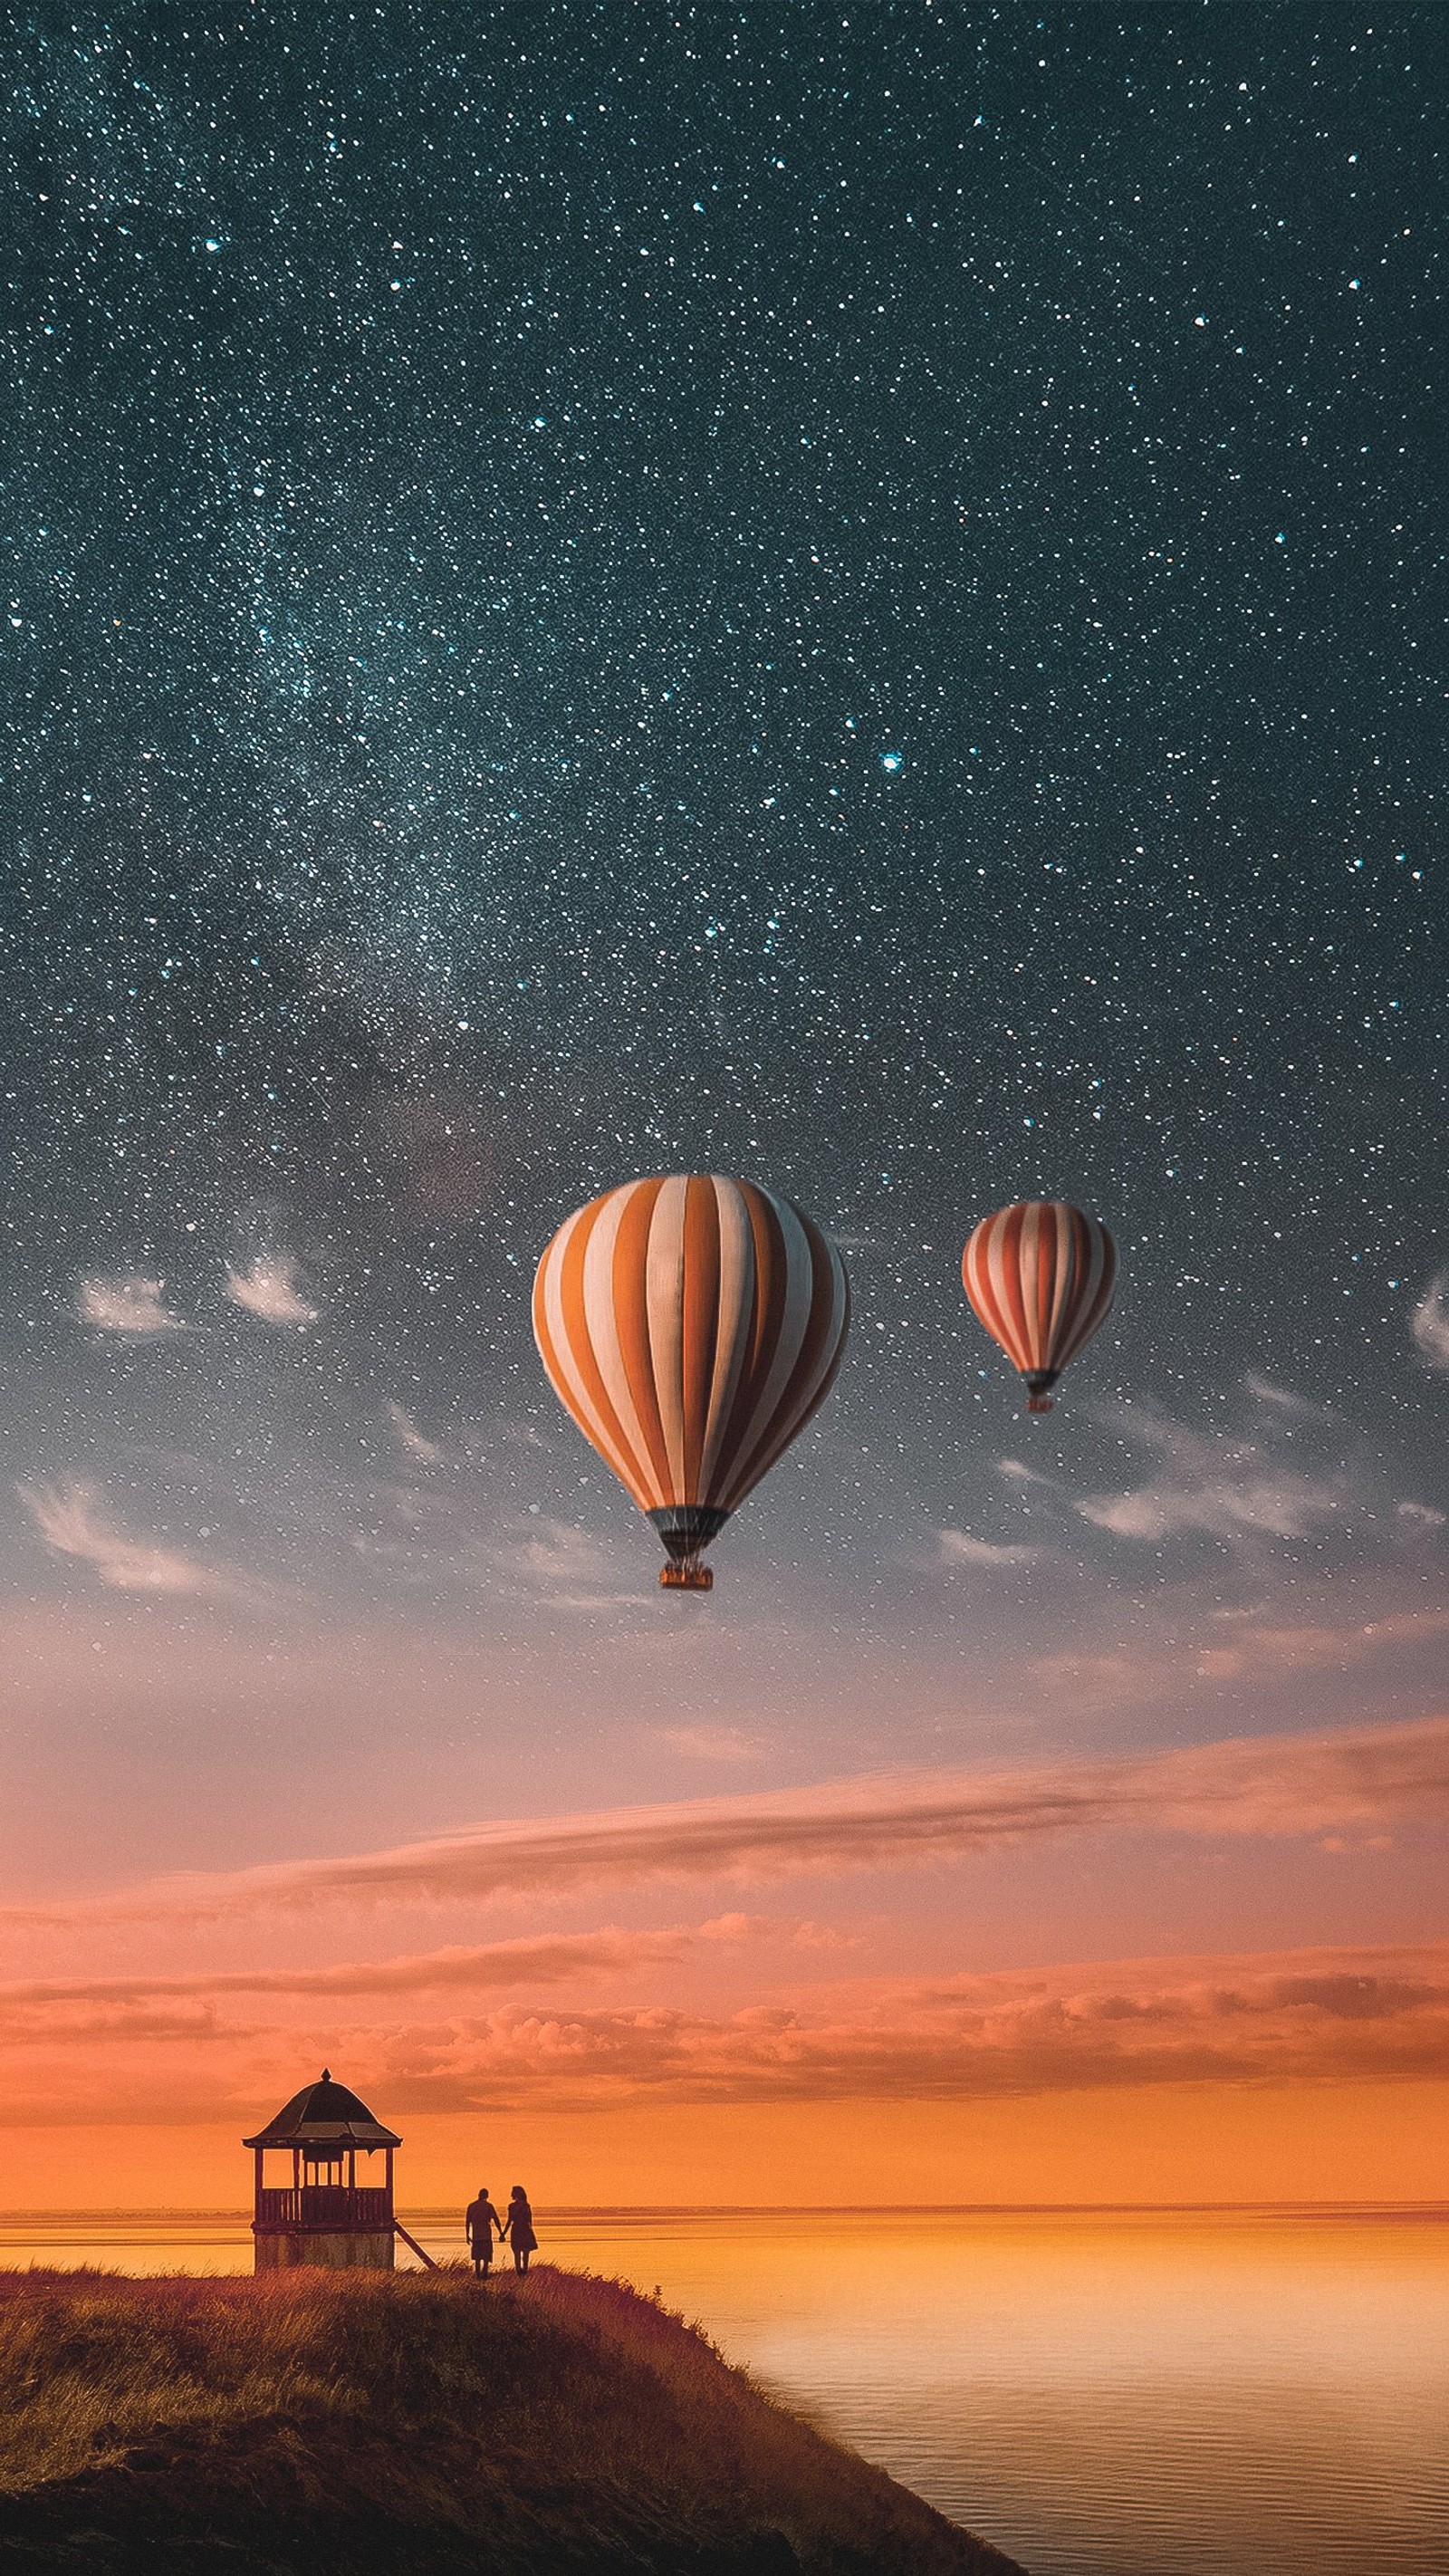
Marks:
<point>1228,1489</point>
<point>1275,1786</point>
<point>76,1519</point>
<point>565,1958</point>
<point>711,1743</point>
<point>1017,1472</point>
<point>73,1518</point>
<point>1317,1646</point>
<point>571,1569</point>
<point>1112,1678</point>
<point>958,1547</point>
<point>132,1305</point>
<point>1309,2015</point>
<point>270,1288</point>
<point>417,1445</point>
<point>1429,1322</point>
<point>1322,2015</point>
<point>1285,1399</point>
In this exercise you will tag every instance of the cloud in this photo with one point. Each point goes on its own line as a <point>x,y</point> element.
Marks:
<point>564,1958</point>
<point>571,1569</point>
<point>711,1743</point>
<point>1017,1472</point>
<point>1283,1399</point>
<point>1429,1322</point>
<point>132,1305</point>
<point>1357,1779</point>
<point>1296,2016</point>
<point>1309,2016</point>
<point>269,1289</point>
<point>957,1547</point>
<point>1227,1489</point>
<point>1420,1516</point>
<point>1113,1680</point>
<point>413,1441</point>
<point>1308,1648</point>
<point>73,1519</point>
<point>1264,1505</point>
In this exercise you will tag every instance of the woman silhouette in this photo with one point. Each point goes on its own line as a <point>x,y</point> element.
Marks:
<point>518,2227</point>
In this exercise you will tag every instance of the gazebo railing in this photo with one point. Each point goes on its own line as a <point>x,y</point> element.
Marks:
<point>319,2204</point>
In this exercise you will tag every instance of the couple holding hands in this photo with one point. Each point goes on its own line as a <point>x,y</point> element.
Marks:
<point>480,2221</point>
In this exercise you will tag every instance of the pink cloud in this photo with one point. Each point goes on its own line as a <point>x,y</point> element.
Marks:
<point>269,1288</point>
<point>1429,1323</point>
<point>1302,1649</point>
<point>957,1547</point>
<point>132,1305</point>
<point>415,1442</point>
<point>1282,1785</point>
<point>1228,1489</point>
<point>76,1520</point>
<point>711,1743</point>
<point>1306,2016</point>
<point>551,1959</point>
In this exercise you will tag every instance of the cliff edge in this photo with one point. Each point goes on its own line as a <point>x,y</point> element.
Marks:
<point>418,2425</point>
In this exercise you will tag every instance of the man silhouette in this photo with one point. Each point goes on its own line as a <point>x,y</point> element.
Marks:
<point>480,2221</point>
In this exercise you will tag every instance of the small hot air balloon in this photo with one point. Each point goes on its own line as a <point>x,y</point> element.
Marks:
<point>1040,1277</point>
<point>691,1325</point>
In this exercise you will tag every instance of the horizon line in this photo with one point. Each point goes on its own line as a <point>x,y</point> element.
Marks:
<point>565,2211</point>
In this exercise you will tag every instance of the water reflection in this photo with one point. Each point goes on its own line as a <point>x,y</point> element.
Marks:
<point>1204,2395</point>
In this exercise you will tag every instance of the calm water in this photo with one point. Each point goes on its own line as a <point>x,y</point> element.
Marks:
<point>1102,2396</point>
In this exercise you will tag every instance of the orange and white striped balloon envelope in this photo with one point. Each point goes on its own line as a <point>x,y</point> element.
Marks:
<point>691,1325</point>
<point>1040,1276</point>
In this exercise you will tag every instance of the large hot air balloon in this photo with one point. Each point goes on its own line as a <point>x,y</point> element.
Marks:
<point>691,1325</point>
<point>1040,1276</point>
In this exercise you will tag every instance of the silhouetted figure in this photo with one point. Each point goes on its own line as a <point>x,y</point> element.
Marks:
<point>518,2228</point>
<point>479,2222</point>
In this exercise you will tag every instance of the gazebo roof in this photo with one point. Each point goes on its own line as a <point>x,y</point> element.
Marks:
<point>324,2115</point>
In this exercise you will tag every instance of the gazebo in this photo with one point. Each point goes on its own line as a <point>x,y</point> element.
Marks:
<point>324,2215</point>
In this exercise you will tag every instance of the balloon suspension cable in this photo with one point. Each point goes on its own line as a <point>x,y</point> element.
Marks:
<point>687,1574</point>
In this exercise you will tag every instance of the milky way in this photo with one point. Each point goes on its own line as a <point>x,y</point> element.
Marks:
<point>845,597</point>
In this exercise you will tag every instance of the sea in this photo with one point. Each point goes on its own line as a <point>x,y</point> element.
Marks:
<point>1102,2393</point>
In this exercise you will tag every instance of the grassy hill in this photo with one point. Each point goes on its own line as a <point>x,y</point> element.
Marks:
<point>423,2424</point>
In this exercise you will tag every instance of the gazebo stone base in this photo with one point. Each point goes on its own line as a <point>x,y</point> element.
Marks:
<point>353,2249</point>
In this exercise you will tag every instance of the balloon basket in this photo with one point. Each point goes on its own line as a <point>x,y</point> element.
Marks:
<point>686,1578</point>
<point>1038,1404</point>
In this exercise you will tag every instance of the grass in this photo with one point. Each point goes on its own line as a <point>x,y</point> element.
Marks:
<point>421,2423</point>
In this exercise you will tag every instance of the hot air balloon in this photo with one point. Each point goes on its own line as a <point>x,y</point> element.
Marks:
<point>691,1325</point>
<point>1040,1277</point>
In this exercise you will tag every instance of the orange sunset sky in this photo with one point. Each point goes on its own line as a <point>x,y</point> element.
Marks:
<point>1205,1973</point>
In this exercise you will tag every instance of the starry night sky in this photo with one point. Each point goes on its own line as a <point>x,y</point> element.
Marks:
<point>849,597</point>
